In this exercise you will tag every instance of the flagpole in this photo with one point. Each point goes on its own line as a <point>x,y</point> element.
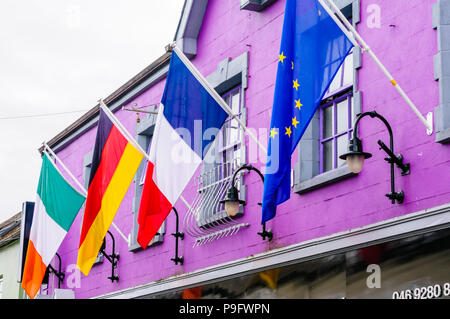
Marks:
<point>214,94</point>
<point>428,122</point>
<point>79,184</point>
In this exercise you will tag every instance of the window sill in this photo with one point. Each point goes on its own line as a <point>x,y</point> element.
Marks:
<point>134,246</point>
<point>443,137</point>
<point>217,219</point>
<point>323,180</point>
<point>255,5</point>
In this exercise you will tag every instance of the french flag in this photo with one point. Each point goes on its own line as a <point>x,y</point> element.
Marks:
<point>187,114</point>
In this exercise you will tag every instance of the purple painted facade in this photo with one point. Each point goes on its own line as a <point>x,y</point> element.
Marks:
<point>405,42</point>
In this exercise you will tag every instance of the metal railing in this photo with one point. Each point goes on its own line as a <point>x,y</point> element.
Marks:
<point>207,220</point>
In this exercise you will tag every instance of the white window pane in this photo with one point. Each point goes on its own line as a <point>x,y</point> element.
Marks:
<point>227,99</point>
<point>342,116</point>
<point>225,134</point>
<point>336,84</point>
<point>328,122</point>
<point>352,101</point>
<point>234,132</point>
<point>348,70</point>
<point>342,144</point>
<point>328,156</point>
<point>235,102</point>
<point>237,154</point>
<point>144,170</point>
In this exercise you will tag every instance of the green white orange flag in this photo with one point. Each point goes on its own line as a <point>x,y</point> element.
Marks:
<point>57,205</point>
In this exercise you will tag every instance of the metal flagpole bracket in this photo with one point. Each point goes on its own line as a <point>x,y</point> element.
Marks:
<point>60,274</point>
<point>113,258</point>
<point>139,110</point>
<point>430,127</point>
<point>170,46</point>
<point>177,235</point>
<point>265,233</point>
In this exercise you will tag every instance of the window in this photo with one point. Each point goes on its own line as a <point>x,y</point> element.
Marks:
<point>206,219</point>
<point>144,135</point>
<point>328,133</point>
<point>231,133</point>
<point>336,121</point>
<point>224,158</point>
<point>144,169</point>
<point>336,118</point>
<point>441,22</point>
<point>87,166</point>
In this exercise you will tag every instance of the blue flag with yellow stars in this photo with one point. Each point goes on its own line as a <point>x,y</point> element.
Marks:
<point>312,49</point>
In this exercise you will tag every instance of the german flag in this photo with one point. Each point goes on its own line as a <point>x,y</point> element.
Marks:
<point>114,164</point>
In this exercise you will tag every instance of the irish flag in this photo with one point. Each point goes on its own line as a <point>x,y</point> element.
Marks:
<point>56,207</point>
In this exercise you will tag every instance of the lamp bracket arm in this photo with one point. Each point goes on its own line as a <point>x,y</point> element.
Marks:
<point>248,167</point>
<point>373,114</point>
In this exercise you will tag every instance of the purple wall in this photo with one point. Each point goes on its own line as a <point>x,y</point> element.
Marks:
<point>405,42</point>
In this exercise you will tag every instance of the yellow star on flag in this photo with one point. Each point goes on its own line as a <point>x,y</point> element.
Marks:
<point>295,122</point>
<point>288,131</point>
<point>281,57</point>
<point>296,85</point>
<point>273,132</point>
<point>298,104</point>
<point>292,66</point>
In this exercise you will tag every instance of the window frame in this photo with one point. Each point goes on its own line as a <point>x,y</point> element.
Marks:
<point>333,102</point>
<point>441,64</point>
<point>1,286</point>
<point>145,163</point>
<point>222,168</point>
<point>144,134</point>
<point>236,145</point>
<point>229,78</point>
<point>87,165</point>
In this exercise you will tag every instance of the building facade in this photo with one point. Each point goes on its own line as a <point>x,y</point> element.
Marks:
<point>336,223</point>
<point>9,258</point>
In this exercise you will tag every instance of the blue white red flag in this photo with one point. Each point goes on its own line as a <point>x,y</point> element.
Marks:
<point>187,111</point>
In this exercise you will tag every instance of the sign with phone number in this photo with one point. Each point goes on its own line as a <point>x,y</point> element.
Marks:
<point>429,292</point>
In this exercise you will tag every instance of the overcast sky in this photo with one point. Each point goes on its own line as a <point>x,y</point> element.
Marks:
<point>63,56</point>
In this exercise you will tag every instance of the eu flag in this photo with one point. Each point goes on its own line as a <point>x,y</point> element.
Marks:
<point>312,49</point>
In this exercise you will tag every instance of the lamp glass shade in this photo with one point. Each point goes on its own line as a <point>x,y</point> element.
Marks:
<point>355,162</point>
<point>232,208</point>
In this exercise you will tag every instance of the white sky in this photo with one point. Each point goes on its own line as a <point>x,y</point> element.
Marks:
<point>63,56</point>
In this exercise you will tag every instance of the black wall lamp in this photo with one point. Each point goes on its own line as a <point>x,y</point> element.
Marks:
<point>232,202</point>
<point>355,155</point>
